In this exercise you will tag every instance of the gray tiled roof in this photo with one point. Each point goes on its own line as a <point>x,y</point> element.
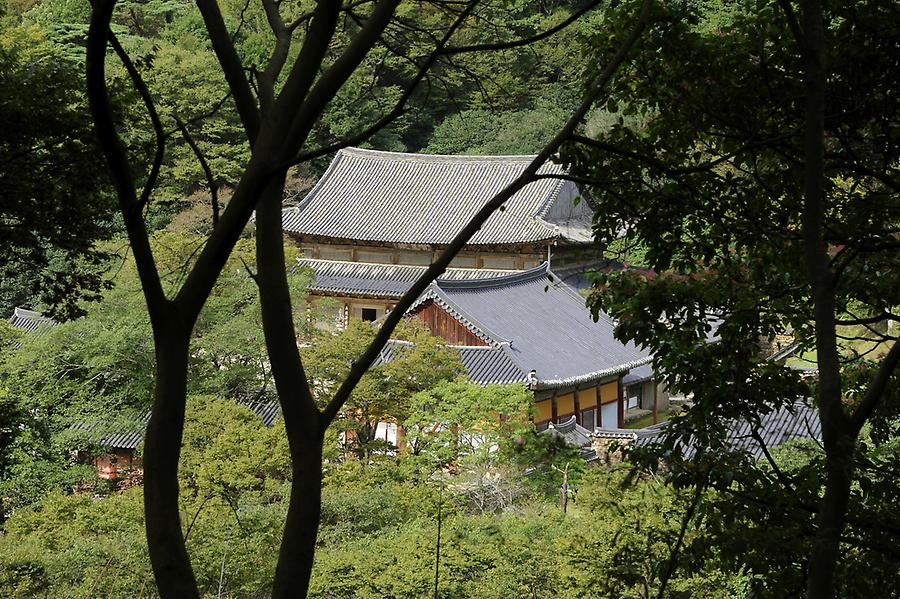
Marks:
<point>389,197</point>
<point>484,365</point>
<point>491,365</point>
<point>795,421</point>
<point>571,432</point>
<point>543,324</point>
<point>31,322</point>
<point>384,281</point>
<point>269,411</point>
<point>128,432</point>
<point>639,374</point>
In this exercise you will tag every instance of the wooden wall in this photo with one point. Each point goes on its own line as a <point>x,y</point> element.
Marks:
<point>445,326</point>
<point>514,257</point>
<point>565,402</point>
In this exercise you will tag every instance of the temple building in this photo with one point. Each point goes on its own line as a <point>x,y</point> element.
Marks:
<point>532,328</point>
<point>376,220</point>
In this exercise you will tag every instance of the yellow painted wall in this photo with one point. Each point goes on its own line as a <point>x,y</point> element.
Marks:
<point>544,410</point>
<point>587,398</point>
<point>565,404</point>
<point>609,392</point>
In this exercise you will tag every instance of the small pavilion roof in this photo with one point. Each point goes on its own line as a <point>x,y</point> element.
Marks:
<point>425,199</point>
<point>127,431</point>
<point>540,323</point>
<point>31,322</point>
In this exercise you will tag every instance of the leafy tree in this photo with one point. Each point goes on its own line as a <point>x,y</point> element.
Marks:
<point>762,182</point>
<point>56,204</point>
<point>100,370</point>
<point>385,391</point>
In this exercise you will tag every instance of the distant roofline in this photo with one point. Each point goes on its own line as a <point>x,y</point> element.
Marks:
<point>413,156</point>
<point>19,312</point>
<point>534,229</point>
<point>423,267</point>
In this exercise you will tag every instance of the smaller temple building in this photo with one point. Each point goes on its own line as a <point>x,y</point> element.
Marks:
<point>530,327</point>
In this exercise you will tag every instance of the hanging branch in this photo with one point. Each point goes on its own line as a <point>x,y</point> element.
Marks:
<point>207,171</point>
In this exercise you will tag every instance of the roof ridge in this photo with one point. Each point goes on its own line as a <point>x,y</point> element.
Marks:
<point>522,276</point>
<point>415,156</point>
<point>19,312</point>
<point>332,167</point>
<point>415,267</point>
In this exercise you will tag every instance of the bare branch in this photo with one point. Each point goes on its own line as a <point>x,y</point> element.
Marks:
<point>144,92</point>
<point>305,17</point>
<point>400,106</point>
<point>117,157</point>
<point>205,115</point>
<point>876,390</point>
<point>335,77</point>
<point>225,51</point>
<point>207,171</point>
<point>527,40</point>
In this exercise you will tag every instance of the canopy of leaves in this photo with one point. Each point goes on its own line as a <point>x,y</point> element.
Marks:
<point>702,170</point>
<point>55,204</point>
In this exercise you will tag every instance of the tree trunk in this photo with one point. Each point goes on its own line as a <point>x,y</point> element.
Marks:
<point>302,423</point>
<point>830,523</point>
<point>162,448</point>
<point>301,527</point>
<point>839,437</point>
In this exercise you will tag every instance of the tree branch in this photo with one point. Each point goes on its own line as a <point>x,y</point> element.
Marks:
<point>336,75</point>
<point>144,92</point>
<point>232,67</point>
<point>400,106</point>
<point>459,241</point>
<point>876,388</point>
<point>117,157</point>
<point>528,40</point>
<point>207,171</point>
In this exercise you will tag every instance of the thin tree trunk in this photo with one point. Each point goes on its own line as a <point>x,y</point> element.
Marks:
<point>301,527</point>
<point>162,448</point>
<point>837,434</point>
<point>301,417</point>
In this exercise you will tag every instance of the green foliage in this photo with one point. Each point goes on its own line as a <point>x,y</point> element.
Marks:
<point>703,168</point>
<point>460,420</point>
<point>226,451</point>
<point>378,535</point>
<point>48,151</point>
<point>100,368</point>
<point>420,362</point>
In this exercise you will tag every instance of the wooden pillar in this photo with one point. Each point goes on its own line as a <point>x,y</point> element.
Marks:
<point>655,400</point>
<point>621,402</point>
<point>554,413</point>
<point>577,409</point>
<point>599,407</point>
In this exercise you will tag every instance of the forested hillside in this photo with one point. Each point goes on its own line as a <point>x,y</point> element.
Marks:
<point>747,154</point>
